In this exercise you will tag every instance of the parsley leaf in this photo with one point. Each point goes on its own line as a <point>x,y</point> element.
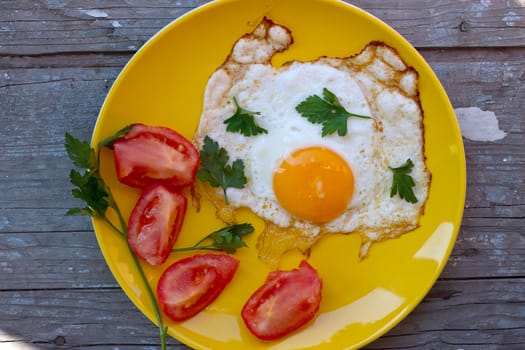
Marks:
<point>227,239</point>
<point>89,185</point>
<point>215,169</point>
<point>80,153</point>
<point>328,111</point>
<point>92,190</point>
<point>243,122</point>
<point>402,182</point>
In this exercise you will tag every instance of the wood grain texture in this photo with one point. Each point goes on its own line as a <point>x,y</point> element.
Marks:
<point>57,315</point>
<point>451,317</point>
<point>58,59</point>
<point>52,26</point>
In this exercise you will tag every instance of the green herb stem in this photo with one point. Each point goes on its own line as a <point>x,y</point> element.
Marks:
<point>359,116</point>
<point>115,228</point>
<point>91,188</point>
<point>196,247</point>
<point>225,196</point>
<point>227,239</point>
<point>156,310</point>
<point>154,304</point>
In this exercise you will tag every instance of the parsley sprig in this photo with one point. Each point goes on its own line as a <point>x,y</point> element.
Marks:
<point>402,182</point>
<point>328,111</point>
<point>243,122</point>
<point>215,168</point>
<point>227,239</point>
<point>91,188</point>
<point>93,191</point>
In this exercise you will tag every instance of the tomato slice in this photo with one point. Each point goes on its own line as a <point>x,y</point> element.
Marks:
<point>152,154</point>
<point>284,303</point>
<point>155,223</point>
<point>189,285</point>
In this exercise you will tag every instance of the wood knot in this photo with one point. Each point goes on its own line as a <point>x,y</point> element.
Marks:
<point>471,252</point>
<point>59,340</point>
<point>442,294</point>
<point>464,26</point>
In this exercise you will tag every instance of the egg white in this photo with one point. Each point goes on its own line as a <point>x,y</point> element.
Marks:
<point>375,83</point>
<point>276,97</point>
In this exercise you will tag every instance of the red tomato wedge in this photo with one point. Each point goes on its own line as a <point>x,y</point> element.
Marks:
<point>155,223</point>
<point>189,285</point>
<point>152,154</point>
<point>284,303</point>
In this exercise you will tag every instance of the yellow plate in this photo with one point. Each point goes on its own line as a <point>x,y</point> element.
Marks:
<point>163,84</point>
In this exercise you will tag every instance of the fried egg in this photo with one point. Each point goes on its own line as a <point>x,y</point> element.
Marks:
<point>301,183</point>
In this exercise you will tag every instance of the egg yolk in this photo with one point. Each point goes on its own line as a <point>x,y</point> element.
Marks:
<point>314,184</point>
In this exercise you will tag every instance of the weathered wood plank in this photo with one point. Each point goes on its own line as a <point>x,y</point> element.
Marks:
<point>73,260</point>
<point>115,60</point>
<point>429,23</point>
<point>479,314</point>
<point>100,318</point>
<point>444,320</point>
<point>57,260</point>
<point>487,249</point>
<point>42,105</point>
<point>34,28</point>
<point>487,84</point>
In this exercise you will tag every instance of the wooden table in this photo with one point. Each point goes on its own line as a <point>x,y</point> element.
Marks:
<point>58,58</point>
